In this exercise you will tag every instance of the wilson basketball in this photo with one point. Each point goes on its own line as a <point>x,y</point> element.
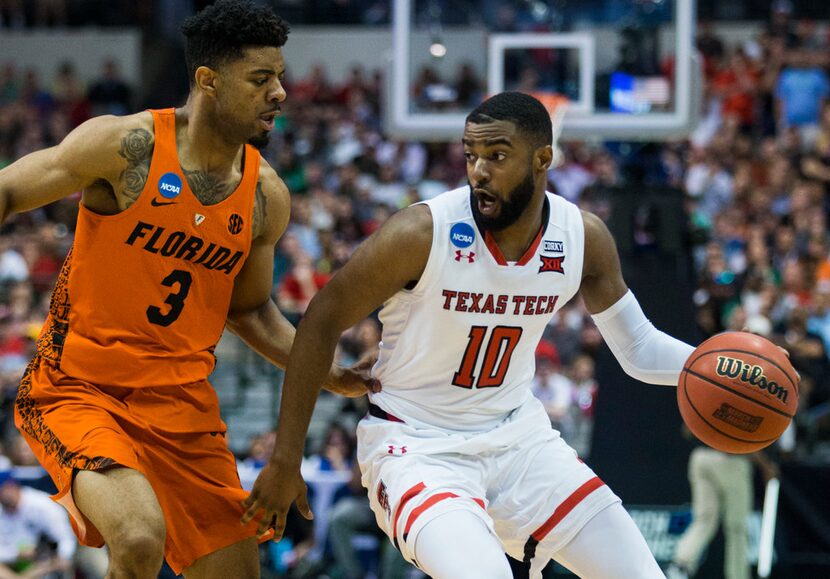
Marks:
<point>738,392</point>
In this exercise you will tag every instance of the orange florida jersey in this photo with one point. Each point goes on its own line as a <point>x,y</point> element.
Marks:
<point>143,295</point>
<point>457,351</point>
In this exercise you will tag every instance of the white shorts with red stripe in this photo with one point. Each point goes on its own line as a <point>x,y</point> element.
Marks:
<point>521,478</point>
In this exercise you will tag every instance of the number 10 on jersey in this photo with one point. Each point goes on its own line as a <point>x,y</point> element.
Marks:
<point>496,359</point>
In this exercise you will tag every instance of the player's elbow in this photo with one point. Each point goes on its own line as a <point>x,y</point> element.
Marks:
<point>324,314</point>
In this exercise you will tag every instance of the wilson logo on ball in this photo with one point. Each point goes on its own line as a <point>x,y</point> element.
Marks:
<point>750,374</point>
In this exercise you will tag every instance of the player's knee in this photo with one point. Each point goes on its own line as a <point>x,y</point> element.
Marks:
<point>138,545</point>
<point>484,565</point>
<point>458,545</point>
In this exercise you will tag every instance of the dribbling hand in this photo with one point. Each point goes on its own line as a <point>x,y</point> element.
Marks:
<point>271,497</point>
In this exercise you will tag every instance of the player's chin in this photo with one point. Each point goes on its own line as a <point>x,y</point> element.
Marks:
<point>260,140</point>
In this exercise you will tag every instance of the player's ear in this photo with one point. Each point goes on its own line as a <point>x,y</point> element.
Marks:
<point>206,80</point>
<point>543,158</point>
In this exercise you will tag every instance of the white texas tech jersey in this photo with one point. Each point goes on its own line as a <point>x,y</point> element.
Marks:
<point>458,350</point>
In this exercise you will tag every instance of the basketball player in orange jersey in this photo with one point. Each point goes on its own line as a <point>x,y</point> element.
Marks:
<point>459,458</point>
<point>175,239</point>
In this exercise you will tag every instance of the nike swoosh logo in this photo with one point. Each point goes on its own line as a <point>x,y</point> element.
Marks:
<point>156,203</point>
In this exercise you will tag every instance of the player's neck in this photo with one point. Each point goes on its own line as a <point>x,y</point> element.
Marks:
<point>200,143</point>
<point>514,240</point>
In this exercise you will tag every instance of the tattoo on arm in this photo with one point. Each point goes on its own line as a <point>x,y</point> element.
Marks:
<point>207,188</point>
<point>137,150</point>
<point>260,203</point>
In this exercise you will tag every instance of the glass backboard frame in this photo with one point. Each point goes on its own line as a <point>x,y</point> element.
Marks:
<point>582,42</point>
<point>581,122</point>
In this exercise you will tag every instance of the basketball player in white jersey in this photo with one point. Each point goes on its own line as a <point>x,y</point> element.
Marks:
<point>459,458</point>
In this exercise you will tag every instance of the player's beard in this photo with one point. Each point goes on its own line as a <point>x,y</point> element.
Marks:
<point>512,206</point>
<point>260,141</point>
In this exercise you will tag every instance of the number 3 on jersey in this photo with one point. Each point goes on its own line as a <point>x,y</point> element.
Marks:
<point>503,340</point>
<point>175,300</point>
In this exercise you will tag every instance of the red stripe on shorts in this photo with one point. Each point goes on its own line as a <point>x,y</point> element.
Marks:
<point>430,502</point>
<point>407,496</point>
<point>416,512</point>
<point>566,507</point>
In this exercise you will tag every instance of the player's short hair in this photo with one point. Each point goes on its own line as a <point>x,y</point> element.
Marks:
<point>222,31</point>
<point>528,114</point>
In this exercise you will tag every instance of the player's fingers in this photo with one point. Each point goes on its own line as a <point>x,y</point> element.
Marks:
<point>248,501</point>
<point>374,386</point>
<point>265,523</point>
<point>250,513</point>
<point>279,526</point>
<point>303,507</point>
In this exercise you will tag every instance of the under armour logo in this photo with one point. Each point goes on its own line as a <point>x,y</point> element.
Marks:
<point>396,449</point>
<point>470,257</point>
<point>552,264</point>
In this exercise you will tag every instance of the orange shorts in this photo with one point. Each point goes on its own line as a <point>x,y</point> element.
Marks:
<point>173,435</point>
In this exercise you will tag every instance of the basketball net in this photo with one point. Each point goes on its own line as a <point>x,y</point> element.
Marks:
<point>557,105</point>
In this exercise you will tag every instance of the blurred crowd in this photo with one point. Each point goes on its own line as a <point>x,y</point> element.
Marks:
<point>755,177</point>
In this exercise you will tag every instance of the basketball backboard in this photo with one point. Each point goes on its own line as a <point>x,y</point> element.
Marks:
<point>627,67</point>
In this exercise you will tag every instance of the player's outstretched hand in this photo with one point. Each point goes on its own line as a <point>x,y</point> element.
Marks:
<point>274,491</point>
<point>356,381</point>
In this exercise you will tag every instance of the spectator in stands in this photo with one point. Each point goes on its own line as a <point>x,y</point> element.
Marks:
<point>816,163</point>
<point>299,286</point>
<point>257,456</point>
<point>13,266</point>
<point>584,395</point>
<point>12,14</point>
<point>50,13</point>
<point>552,388</point>
<point>352,524</point>
<point>736,85</point>
<point>709,180</point>
<point>468,86</point>
<point>802,89</point>
<point>110,94</point>
<point>389,190</point>
<point>564,333</point>
<point>301,227</point>
<point>315,88</point>
<point>781,25</point>
<point>710,46</point>
<point>809,357</point>
<point>35,536</point>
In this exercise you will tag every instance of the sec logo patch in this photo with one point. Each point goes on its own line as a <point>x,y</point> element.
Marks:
<point>235,223</point>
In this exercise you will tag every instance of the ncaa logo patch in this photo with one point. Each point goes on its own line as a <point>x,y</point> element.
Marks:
<point>170,185</point>
<point>462,235</point>
<point>235,223</point>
